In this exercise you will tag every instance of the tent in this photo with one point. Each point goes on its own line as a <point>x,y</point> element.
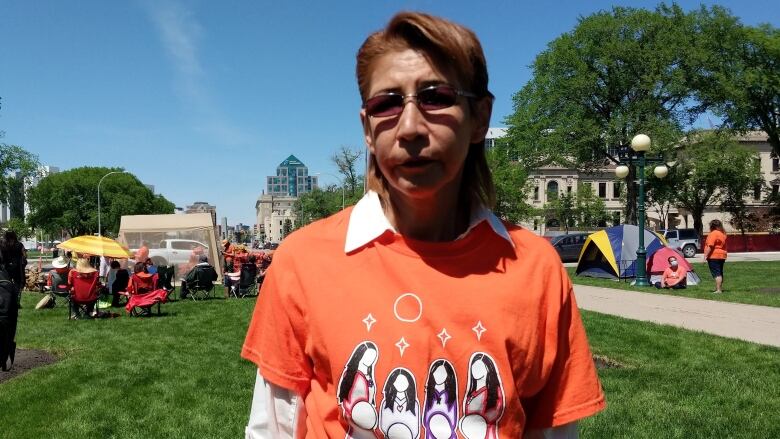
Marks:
<point>178,239</point>
<point>611,253</point>
<point>659,261</point>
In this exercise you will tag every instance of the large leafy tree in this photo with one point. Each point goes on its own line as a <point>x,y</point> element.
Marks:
<point>711,168</point>
<point>510,179</point>
<point>68,201</point>
<point>616,74</point>
<point>738,76</point>
<point>317,204</point>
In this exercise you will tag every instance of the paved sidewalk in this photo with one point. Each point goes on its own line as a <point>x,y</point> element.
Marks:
<point>754,323</point>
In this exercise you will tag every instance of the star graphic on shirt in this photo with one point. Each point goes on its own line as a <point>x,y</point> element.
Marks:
<point>444,337</point>
<point>402,345</point>
<point>369,321</point>
<point>479,329</point>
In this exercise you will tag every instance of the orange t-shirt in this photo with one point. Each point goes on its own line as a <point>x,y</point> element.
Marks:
<point>717,240</point>
<point>673,277</point>
<point>469,335</point>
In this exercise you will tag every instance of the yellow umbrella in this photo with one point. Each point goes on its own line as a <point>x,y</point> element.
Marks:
<point>96,245</point>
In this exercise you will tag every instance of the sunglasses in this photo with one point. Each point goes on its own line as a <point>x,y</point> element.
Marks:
<point>435,97</point>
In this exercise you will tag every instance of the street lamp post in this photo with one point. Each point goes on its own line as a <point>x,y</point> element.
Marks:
<point>340,182</point>
<point>101,181</point>
<point>640,144</point>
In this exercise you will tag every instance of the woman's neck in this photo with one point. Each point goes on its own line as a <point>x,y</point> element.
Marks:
<point>435,219</point>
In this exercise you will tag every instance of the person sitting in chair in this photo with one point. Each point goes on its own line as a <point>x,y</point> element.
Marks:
<point>56,282</point>
<point>118,278</point>
<point>675,277</point>
<point>202,275</point>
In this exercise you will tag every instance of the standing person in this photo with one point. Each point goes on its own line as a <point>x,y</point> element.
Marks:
<point>428,273</point>
<point>14,260</point>
<point>142,254</point>
<point>227,256</point>
<point>715,253</point>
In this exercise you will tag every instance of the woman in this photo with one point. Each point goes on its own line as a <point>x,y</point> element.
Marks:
<point>441,401</point>
<point>14,260</point>
<point>357,391</point>
<point>400,417</point>
<point>715,253</point>
<point>484,403</point>
<point>429,271</point>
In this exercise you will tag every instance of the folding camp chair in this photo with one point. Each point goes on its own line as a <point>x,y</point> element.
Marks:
<point>201,290</point>
<point>203,285</point>
<point>84,293</point>
<point>142,295</point>
<point>247,281</point>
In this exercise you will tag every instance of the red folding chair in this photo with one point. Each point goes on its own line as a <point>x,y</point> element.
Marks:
<point>84,293</point>
<point>142,293</point>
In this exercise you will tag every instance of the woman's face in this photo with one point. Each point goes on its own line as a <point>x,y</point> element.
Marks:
<point>420,153</point>
<point>369,357</point>
<point>401,383</point>
<point>440,375</point>
<point>478,370</point>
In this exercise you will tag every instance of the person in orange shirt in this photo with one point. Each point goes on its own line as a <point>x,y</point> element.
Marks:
<point>715,253</point>
<point>142,254</point>
<point>674,277</point>
<point>418,312</point>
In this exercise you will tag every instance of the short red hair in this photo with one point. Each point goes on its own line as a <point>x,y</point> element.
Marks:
<point>452,48</point>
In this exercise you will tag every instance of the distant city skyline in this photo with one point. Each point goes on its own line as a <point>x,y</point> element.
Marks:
<point>203,100</point>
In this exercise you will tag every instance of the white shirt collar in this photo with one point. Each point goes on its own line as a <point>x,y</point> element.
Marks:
<point>368,222</point>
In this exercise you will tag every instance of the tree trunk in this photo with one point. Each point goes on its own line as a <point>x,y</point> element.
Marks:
<point>698,225</point>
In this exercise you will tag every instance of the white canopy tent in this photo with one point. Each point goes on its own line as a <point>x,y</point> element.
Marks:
<point>177,240</point>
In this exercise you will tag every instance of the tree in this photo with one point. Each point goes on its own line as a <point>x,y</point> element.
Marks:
<point>709,165</point>
<point>616,74</point>
<point>20,227</point>
<point>317,204</point>
<point>739,79</point>
<point>287,228</point>
<point>68,201</point>
<point>345,160</point>
<point>562,208</point>
<point>743,218</point>
<point>510,180</point>
<point>590,210</point>
<point>660,195</point>
<point>16,164</point>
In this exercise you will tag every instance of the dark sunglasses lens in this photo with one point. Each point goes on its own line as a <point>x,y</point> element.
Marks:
<point>437,98</point>
<point>384,105</point>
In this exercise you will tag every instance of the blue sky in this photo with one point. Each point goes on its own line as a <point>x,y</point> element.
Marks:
<point>204,99</point>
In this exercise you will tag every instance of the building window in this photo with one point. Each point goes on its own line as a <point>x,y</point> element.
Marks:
<point>552,190</point>
<point>757,191</point>
<point>536,193</point>
<point>568,190</point>
<point>775,162</point>
<point>775,189</point>
<point>615,218</point>
<point>616,190</point>
<point>280,222</point>
<point>602,189</point>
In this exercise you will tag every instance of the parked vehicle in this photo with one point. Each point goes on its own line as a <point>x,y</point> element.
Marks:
<point>685,240</point>
<point>569,246</point>
<point>174,251</point>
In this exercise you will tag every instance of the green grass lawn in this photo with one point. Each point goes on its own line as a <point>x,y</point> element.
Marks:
<point>180,376</point>
<point>756,283</point>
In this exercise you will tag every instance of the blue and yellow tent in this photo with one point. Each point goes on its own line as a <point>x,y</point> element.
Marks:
<point>611,253</point>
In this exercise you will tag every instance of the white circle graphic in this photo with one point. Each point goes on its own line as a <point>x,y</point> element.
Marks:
<point>403,319</point>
